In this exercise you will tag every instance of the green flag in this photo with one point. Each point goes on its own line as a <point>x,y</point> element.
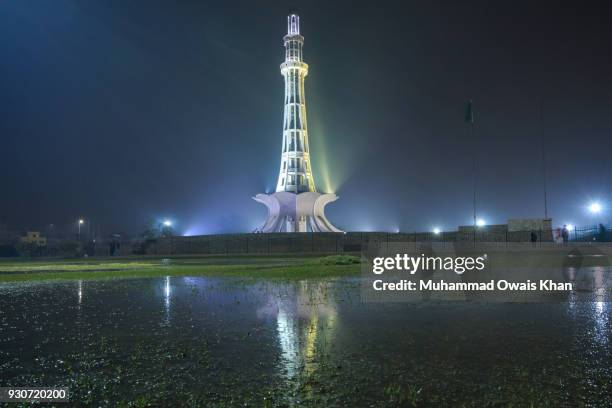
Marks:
<point>469,113</point>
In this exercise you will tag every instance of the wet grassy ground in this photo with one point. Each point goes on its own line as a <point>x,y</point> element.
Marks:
<point>246,266</point>
<point>207,340</point>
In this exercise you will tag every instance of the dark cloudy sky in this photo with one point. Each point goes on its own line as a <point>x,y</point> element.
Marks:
<point>122,111</point>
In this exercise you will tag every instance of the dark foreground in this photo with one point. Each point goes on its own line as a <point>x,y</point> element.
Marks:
<point>182,341</point>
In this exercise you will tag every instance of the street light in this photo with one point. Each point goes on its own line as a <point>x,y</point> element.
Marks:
<point>165,228</point>
<point>81,222</point>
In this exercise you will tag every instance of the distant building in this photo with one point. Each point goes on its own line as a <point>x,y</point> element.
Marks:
<point>530,224</point>
<point>34,238</point>
<point>541,227</point>
<point>489,228</point>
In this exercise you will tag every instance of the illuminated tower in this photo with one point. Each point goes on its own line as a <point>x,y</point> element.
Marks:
<point>296,206</point>
<point>295,173</point>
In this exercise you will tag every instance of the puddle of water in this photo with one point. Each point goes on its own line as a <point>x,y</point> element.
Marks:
<point>202,341</point>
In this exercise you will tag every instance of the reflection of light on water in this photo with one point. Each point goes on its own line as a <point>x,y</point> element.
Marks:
<point>167,299</point>
<point>79,312</point>
<point>80,292</point>
<point>600,307</point>
<point>591,282</point>
<point>571,303</point>
<point>310,346</point>
<point>599,283</point>
<point>601,322</point>
<point>288,339</point>
<point>601,315</point>
<point>311,336</point>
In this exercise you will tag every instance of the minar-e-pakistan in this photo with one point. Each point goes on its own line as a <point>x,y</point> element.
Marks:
<point>296,206</point>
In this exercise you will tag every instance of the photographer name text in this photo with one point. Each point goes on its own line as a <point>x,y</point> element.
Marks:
<point>502,285</point>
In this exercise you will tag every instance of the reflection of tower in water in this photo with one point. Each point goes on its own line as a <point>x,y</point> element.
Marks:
<point>306,321</point>
<point>288,339</point>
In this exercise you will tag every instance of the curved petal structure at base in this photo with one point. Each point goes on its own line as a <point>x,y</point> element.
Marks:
<point>290,212</point>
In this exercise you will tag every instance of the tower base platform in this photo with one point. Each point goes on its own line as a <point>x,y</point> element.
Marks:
<point>290,212</point>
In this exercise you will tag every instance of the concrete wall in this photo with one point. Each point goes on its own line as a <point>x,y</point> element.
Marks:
<point>517,230</point>
<point>280,243</point>
<point>316,243</point>
<point>541,226</point>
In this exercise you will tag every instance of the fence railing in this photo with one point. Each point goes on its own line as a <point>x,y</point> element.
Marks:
<point>597,233</point>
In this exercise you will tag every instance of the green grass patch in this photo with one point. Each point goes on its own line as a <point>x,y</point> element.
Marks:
<point>93,266</point>
<point>298,268</point>
<point>339,260</point>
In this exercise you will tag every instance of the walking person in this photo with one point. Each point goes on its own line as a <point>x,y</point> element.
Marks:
<point>534,238</point>
<point>565,234</point>
<point>602,233</point>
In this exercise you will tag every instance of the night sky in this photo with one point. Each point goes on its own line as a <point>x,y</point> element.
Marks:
<point>126,111</point>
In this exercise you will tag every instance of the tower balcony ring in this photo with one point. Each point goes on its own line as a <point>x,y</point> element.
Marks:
<point>288,65</point>
<point>293,37</point>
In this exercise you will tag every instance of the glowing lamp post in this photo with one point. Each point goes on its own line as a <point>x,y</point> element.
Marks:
<point>596,208</point>
<point>165,228</point>
<point>81,222</point>
<point>167,232</point>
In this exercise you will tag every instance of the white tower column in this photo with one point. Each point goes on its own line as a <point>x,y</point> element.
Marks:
<point>295,174</point>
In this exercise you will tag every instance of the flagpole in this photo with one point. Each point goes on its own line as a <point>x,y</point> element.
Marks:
<point>542,137</point>
<point>473,172</point>
<point>470,118</point>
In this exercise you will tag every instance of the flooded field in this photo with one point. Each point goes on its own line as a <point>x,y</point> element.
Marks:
<point>183,341</point>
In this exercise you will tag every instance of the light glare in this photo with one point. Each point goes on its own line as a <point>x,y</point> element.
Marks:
<point>595,208</point>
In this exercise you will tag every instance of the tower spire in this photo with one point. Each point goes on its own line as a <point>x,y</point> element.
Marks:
<point>293,24</point>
